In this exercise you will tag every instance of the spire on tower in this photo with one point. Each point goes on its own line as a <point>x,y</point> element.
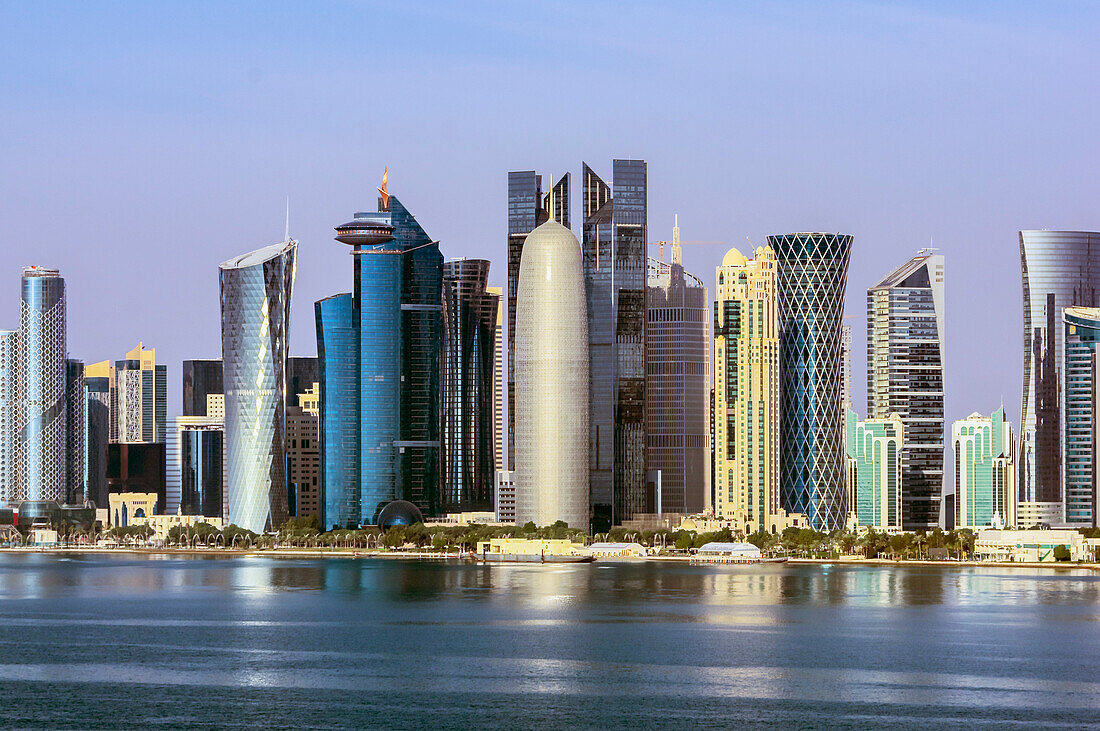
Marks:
<point>384,190</point>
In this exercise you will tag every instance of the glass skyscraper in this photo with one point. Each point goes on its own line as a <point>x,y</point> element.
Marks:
<point>813,273</point>
<point>528,208</point>
<point>614,255</point>
<point>255,312</point>
<point>379,370</point>
<point>906,364</point>
<point>76,440</point>
<point>138,398</point>
<point>1060,269</point>
<point>677,356</point>
<point>97,380</point>
<point>200,379</point>
<point>40,465</point>
<point>468,362</point>
<point>1079,388</point>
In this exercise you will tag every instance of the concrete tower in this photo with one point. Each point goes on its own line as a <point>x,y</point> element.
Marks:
<point>551,370</point>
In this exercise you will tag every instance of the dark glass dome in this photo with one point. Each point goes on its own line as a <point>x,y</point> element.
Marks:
<point>399,512</point>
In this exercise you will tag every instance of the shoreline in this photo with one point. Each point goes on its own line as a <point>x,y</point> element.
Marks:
<point>291,553</point>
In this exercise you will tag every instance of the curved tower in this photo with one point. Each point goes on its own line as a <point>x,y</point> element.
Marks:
<point>551,368</point>
<point>39,423</point>
<point>813,272</point>
<point>1060,269</point>
<point>255,309</point>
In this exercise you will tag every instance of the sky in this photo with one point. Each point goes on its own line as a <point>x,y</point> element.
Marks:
<point>141,144</point>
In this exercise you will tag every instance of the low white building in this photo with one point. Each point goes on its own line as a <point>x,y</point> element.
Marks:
<point>1029,546</point>
<point>617,550</point>
<point>729,553</point>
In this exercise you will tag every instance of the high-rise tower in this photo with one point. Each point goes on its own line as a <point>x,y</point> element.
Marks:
<point>906,366</point>
<point>813,272</point>
<point>39,421</point>
<point>468,364</point>
<point>1060,269</point>
<point>528,208</point>
<point>551,381</point>
<point>746,390</point>
<point>255,312</point>
<point>677,357</point>
<point>614,256</point>
<point>379,355</point>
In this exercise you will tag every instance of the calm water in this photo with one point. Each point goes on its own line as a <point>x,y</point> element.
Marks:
<point>124,642</point>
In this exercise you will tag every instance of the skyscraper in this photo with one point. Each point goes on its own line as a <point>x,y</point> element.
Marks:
<point>677,360</point>
<point>76,440</point>
<point>845,365</point>
<point>469,348</point>
<point>985,471</point>
<point>40,465</point>
<point>813,272</point>
<point>614,256</point>
<point>746,390</point>
<point>255,312</point>
<point>528,208</point>
<point>138,397</point>
<point>500,379</point>
<point>97,379</point>
<point>379,350</point>
<point>874,472</point>
<point>906,365</point>
<point>1082,333</point>
<point>303,454</point>
<point>1059,269</point>
<point>551,370</point>
<point>200,379</point>
<point>196,465</point>
<point>8,349</point>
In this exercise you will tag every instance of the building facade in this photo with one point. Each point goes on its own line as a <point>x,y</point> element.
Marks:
<point>255,314</point>
<point>1079,408</point>
<point>746,390</point>
<point>500,381</point>
<point>303,454</point>
<point>551,359</point>
<point>677,383</point>
<point>813,273</point>
<point>200,379</point>
<point>195,470</point>
<point>379,350</point>
<point>76,438</point>
<point>906,367</point>
<point>874,470</point>
<point>1059,269</point>
<point>97,379</point>
<point>8,394</point>
<point>528,208</point>
<point>139,397</point>
<point>468,365</point>
<point>39,424</point>
<point>985,471</point>
<point>614,257</point>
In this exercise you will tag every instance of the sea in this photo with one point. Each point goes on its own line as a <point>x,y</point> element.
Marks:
<point>94,641</point>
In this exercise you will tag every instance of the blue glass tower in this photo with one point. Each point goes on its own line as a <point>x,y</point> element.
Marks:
<point>813,272</point>
<point>379,369</point>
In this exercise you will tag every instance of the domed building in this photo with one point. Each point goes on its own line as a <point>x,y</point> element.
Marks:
<point>551,381</point>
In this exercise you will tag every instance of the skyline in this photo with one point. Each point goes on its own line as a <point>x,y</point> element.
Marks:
<point>912,126</point>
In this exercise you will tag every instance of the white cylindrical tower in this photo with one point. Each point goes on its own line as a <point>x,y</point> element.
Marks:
<point>551,381</point>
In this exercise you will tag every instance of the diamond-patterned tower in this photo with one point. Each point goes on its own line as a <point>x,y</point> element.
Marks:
<point>813,272</point>
<point>255,305</point>
<point>39,418</point>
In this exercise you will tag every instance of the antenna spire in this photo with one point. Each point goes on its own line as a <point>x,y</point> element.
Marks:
<point>550,198</point>
<point>677,252</point>
<point>286,233</point>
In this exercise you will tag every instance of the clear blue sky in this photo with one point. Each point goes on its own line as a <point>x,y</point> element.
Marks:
<point>142,144</point>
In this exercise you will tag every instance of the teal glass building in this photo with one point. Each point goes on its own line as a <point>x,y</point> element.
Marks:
<point>813,273</point>
<point>1079,402</point>
<point>378,349</point>
<point>874,448</point>
<point>985,471</point>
